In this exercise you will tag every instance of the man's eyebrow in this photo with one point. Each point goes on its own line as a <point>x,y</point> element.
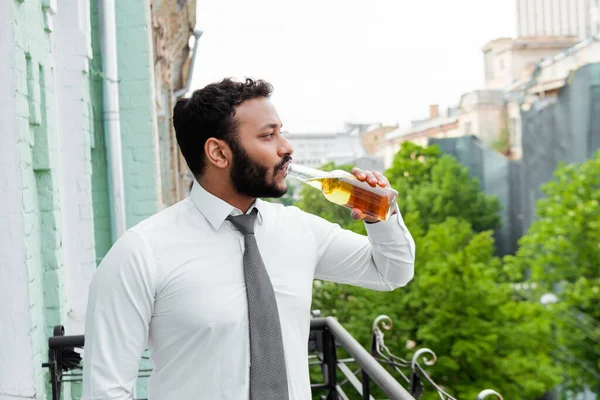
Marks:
<point>274,126</point>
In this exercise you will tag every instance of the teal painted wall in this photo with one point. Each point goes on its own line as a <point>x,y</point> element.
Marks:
<point>37,124</point>
<point>99,173</point>
<point>136,94</point>
<point>36,112</point>
<point>138,122</point>
<point>137,129</point>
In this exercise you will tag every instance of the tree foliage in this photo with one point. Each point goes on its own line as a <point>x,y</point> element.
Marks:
<point>484,338</point>
<point>561,253</point>
<point>458,304</point>
<point>437,186</point>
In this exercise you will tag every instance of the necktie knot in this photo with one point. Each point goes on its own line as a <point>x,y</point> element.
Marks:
<point>244,223</point>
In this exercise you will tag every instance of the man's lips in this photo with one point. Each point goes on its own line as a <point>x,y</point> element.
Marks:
<point>285,168</point>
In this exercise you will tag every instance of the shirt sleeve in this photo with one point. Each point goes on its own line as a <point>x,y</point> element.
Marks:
<point>120,305</point>
<point>382,260</point>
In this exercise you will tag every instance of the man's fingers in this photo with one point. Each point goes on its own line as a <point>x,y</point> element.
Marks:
<point>358,173</point>
<point>359,215</point>
<point>372,178</point>
<point>381,180</point>
<point>356,214</point>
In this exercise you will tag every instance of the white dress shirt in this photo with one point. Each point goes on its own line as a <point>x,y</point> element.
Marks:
<point>174,284</point>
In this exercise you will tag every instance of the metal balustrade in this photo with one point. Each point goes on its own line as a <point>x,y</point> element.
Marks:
<point>327,339</point>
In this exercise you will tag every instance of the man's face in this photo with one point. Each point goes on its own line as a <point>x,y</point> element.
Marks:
<point>260,152</point>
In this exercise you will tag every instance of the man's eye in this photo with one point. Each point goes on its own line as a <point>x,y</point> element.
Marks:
<point>269,135</point>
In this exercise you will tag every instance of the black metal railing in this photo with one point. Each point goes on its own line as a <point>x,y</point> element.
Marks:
<point>411,372</point>
<point>328,336</point>
<point>62,357</point>
<point>328,340</point>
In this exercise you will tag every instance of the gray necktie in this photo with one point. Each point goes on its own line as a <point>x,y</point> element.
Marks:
<point>268,377</point>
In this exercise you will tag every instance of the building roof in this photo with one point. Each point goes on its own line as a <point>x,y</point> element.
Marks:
<point>497,41</point>
<point>427,124</point>
<point>484,96</point>
<point>398,132</point>
<point>543,40</point>
<point>522,42</point>
<point>549,61</point>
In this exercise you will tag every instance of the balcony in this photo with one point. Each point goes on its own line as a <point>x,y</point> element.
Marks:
<point>347,369</point>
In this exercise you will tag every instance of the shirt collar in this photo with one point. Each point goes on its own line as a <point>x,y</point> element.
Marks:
<point>215,209</point>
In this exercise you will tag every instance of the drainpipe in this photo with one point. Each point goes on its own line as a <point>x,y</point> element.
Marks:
<point>112,128</point>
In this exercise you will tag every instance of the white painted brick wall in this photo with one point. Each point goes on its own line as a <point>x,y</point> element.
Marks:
<point>15,346</point>
<point>72,29</point>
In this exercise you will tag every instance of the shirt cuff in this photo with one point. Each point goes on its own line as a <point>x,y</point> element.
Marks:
<point>387,230</point>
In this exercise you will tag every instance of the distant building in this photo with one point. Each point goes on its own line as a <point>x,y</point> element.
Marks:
<point>547,79</point>
<point>315,149</point>
<point>481,113</point>
<point>438,125</point>
<point>510,61</point>
<point>373,139</point>
<point>577,18</point>
<point>551,74</point>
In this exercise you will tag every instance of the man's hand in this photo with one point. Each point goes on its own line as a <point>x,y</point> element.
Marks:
<point>374,179</point>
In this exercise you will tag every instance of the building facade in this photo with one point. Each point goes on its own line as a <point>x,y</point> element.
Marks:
<point>59,162</point>
<point>315,149</point>
<point>577,18</point>
<point>482,114</point>
<point>437,125</point>
<point>546,82</point>
<point>373,138</point>
<point>509,62</point>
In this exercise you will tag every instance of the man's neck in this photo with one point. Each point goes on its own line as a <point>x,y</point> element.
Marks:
<point>225,192</point>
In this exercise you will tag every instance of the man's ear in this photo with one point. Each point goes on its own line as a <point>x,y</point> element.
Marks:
<point>217,153</point>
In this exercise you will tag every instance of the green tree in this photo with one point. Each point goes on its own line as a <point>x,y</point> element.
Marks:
<point>459,304</point>
<point>437,186</point>
<point>412,166</point>
<point>483,337</point>
<point>560,253</point>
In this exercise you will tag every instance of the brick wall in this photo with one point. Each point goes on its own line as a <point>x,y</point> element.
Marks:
<point>138,119</point>
<point>100,202</point>
<point>56,208</point>
<point>73,99</point>
<point>16,348</point>
<point>173,23</point>
<point>35,170</point>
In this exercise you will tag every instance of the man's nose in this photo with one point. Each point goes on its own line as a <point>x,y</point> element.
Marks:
<point>285,147</point>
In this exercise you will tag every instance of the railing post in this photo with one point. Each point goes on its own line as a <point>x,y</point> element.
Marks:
<point>366,386</point>
<point>330,362</point>
<point>56,367</point>
<point>54,378</point>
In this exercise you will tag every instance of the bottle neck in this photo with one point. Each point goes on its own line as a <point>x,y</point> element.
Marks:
<point>304,174</point>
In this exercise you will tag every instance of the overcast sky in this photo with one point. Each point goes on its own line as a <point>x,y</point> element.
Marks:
<point>332,61</point>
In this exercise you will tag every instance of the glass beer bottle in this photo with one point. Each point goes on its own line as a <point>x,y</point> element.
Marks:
<point>341,187</point>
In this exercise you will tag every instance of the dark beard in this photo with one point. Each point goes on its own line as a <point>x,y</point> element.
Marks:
<point>249,178</point>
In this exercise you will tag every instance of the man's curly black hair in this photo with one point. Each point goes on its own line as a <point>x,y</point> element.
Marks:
<point>210,112</point>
